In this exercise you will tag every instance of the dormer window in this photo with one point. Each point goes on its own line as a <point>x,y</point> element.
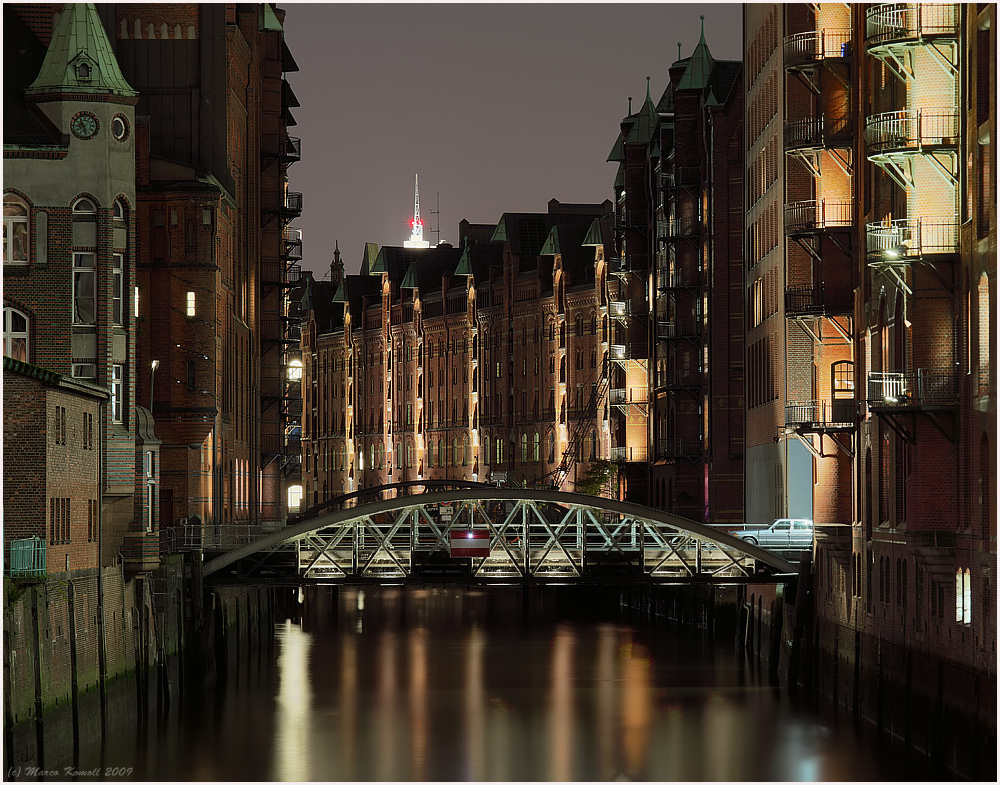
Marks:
<point>83,72</point>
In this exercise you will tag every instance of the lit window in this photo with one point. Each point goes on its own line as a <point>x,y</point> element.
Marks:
<point>15,231</point>
<point>117,376</point>
<point>295,371</point>
<point>190,304</point>
<point>536,444</point>
<point>15,334</point>
<point>963,597</point>
<point>117,288</point>
<point>84,289</point>
<point>135,308</point>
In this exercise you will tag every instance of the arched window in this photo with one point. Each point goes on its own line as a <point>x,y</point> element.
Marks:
<point>593,444</point>
<point>465,451</point>
<point>499,450</point>
<point>84,206</point>
<point>552,446</point>
<point>552,331</point>
<point>399,455</point>
<point>380,455</point>
<point>409,456</point>
<point>593,324</point>
<point>15,334</point>
<point>536,444</point>
<point>486,447</point>
<point>15,230</point>
<point>430,455</point>
<point>579,325</point>
<point>118,210</point>
<point>524,448</point>
<point>441,458</point>
<point>454,451</point>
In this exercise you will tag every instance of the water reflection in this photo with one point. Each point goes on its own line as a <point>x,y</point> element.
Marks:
<point>437,684</point>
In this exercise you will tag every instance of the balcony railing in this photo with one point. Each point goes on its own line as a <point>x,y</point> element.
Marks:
<point>817,132</point>
<point>821,414</point>
<point>619,309</point>
<point>889,23</point>
<point>924,387</point>
<point>621,352</point>
<point>225,536</point>
<point>638,218</point>
<point>681,177</point>
<point>677,279</point>
<point>673,378</point>
<point>815,45</point>
<point>818,214</point>
<point>25,558</point>
<point>629,454</point>
<point>287,148</point>
<point>678,448</point>
<point>906,239</point>
<point>677,328</point>
<point>822,299</point>
<point>678,227</point>
<point>626,395</point>
<point>911,130</point>
<point>293,244</point>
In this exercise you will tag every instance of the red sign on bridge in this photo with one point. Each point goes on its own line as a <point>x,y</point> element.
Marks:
<point>466,543</point>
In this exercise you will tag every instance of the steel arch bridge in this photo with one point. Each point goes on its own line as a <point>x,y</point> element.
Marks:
<point>534,535</point>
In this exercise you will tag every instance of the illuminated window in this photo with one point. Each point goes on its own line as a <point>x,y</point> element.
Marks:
<point>15,231</point>
<point>536,447</point>
<point>135,305</point>
<point>190,304</point>
<point>963,598</point>
<point>295,371</point>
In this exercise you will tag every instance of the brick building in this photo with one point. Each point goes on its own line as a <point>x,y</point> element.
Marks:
<point>480,362</point>
<point>677,306</point>
<point>871,301</point>
<point>69,257</point>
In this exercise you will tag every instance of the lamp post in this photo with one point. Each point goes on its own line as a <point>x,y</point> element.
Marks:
<point>152,375</point>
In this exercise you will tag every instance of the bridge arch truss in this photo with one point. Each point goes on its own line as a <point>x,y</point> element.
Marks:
<point>534,535</point>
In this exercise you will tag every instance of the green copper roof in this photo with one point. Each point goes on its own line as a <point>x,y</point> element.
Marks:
<point>645,124</point>
<point>500,233</point>
<point>699,70</point>
<point>594,236</point>
<point>268,21</point>
<point>618,151</point>
<point>379,265</point>
<point>80,57</point>
<point>551,245</point>
<point>369,259</point>
<point>409,280</point>
<point>666,104</point>
<point>464,266</point>
<point>620,177</point>
<point>339,296</point>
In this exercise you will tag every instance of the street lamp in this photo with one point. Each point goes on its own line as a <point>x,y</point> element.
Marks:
<point>152,374</point>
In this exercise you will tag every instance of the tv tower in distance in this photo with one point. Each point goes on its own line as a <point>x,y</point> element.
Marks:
<point>417,234</point>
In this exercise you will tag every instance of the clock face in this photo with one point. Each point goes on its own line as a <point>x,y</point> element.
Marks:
<point>84,125</point>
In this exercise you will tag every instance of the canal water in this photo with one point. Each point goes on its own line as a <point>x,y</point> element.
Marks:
<point>398,683</point>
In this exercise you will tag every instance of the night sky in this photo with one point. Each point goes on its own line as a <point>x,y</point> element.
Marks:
<point>498,108</point>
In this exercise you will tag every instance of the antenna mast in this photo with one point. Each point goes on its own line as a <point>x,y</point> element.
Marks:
<point>417,234</point>
<point>438,214</point>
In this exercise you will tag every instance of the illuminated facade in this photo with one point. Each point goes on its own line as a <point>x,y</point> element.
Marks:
<point>871,302</point>
<point>676,306</point>
<point>483,362</point>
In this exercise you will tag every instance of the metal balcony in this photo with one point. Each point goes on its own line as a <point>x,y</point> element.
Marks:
<point>817,215</point>
<point>293,245</point>
<point>837,414</point>
<point>673,379</point>
<point>628,395</point>
<point>675,228</point>
<point>619,309</point>
<point>814,46</point>
<point>678,448</point>
<point>681,177</point>
<point>817,133</point>
<point>629,454</point>
<point>677,328</point>
<point>910,23</point>
<point>623,353</point>
<point>911,131</point>
<point>810,300</point>
<point>284,148</point>
<point>676,279</point>
<point>923,388</point>
<point>910,239</point>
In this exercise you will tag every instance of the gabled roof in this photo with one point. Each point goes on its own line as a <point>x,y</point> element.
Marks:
<point>699,69</point>
<point>369,259</point>
<point>618,151</point>
<point>80,58</point>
